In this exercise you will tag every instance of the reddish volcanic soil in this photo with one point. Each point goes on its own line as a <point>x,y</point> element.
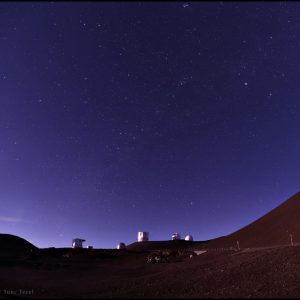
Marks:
<point>120,274</point>
<point>260,269</point>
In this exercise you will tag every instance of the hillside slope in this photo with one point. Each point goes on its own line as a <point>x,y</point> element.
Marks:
<point>272,229</point>
<point>11,245</point>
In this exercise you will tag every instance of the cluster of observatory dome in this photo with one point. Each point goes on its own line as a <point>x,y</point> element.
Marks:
<point>143,236</point>
<point>176,236</point>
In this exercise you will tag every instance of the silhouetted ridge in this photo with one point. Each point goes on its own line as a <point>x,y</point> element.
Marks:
<point>11,245</point>
<point>158,245</point>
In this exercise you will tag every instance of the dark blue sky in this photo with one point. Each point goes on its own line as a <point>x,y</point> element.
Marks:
<point>163,117</point>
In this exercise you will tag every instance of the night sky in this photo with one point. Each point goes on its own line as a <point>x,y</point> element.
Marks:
<point>162,117</point>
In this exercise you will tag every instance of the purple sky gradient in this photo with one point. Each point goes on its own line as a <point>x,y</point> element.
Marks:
<point>162,117</point>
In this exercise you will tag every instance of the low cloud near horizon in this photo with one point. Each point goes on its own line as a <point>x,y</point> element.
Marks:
<point>12,220</point>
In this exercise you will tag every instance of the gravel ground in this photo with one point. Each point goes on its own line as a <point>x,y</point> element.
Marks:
<point>267,273</point>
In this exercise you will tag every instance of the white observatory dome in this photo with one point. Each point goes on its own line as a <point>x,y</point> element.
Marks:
<point>121,246</point>
<point>143,236</point>
<point>189,238</point>
<point>77,243</point>
<point>176,236</point>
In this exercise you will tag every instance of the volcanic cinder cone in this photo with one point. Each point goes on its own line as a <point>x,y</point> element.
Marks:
<point>11,246</point>
<point>273,229</point>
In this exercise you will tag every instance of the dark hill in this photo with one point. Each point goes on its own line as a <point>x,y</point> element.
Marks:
<point>11,246</point>
<point>158,245</point>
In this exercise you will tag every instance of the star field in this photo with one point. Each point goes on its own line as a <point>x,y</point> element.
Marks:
<point>162,117</point>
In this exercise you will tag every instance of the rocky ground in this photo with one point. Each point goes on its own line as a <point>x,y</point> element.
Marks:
<point>65,273</point>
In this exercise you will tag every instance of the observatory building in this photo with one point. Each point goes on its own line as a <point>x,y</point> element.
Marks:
<point>77,243</point>
<point>121,246</point>
<point>189,238</point>
<point>143,236</point>
<point>176,236</point>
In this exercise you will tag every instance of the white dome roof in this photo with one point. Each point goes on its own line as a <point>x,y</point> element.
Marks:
<point>176,236</point>
<point>188,238</point>
<point>121,246</point>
